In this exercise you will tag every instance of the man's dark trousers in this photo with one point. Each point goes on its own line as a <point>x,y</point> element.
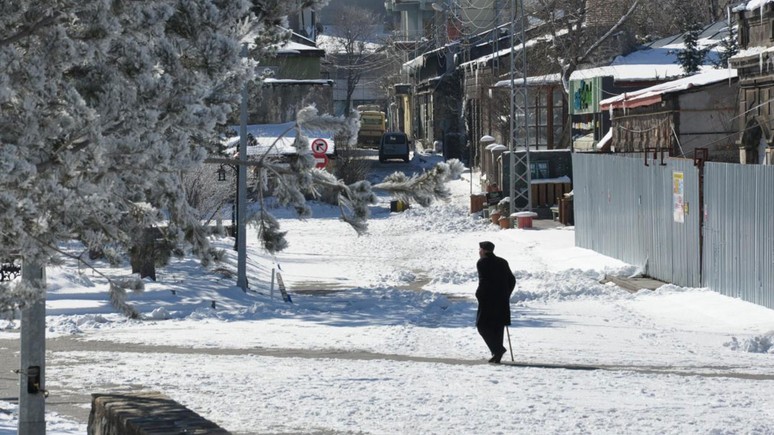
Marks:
<point>492,333</point>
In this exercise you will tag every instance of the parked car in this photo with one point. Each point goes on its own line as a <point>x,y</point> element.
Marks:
<point>394,145</point>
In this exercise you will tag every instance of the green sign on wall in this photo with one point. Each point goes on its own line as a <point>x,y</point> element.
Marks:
<point>585,95</point>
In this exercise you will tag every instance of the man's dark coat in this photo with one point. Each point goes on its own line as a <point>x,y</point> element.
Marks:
<point>495,284</point>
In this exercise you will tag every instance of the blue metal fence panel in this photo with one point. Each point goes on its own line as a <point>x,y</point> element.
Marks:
<point>739,231</point>
<point>626,210</point>
<point>603,206</point>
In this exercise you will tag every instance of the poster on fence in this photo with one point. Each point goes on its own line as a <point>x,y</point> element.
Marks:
<point>677,197</point>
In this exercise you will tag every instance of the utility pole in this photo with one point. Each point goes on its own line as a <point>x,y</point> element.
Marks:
<point>525,177</point>
<point>32,387</point>
<point>242,188</point>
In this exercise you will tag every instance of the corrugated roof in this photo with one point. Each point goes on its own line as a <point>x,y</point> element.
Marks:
<point>645,96</point>
<point>658,60</point>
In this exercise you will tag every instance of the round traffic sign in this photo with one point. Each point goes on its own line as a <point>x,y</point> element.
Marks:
<point>319,146</point>
<point>320,161</point>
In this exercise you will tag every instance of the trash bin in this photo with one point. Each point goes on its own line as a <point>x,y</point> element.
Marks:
<point>524,218</point>
<point>477,201</point>
<point>398,206</point>
<point>566,211</point>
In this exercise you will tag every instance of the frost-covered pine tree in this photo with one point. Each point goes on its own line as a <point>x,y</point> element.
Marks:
<point>103,105</point>
<point>729,46</point>
<point>692,57</point>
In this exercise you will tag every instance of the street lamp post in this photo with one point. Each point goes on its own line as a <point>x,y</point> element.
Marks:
<point>241,237</point>
<point>32,384</point>
<point>234,204</point>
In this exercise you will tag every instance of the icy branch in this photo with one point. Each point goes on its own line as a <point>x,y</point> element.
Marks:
<point>424,188</point>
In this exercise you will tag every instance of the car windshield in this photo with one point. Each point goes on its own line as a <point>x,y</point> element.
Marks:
<point>394,138</point>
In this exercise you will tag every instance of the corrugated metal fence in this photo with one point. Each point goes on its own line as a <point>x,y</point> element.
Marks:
<point>739,231</point>
<point>652,215</point>
<point>644,215</point>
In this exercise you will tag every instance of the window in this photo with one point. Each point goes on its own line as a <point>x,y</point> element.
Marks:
<point>547,120</point>
<point>539,170</point>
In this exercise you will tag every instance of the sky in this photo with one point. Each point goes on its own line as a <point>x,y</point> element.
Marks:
<point>380,336</point>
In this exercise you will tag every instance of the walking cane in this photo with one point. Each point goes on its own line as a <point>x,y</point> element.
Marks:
<point>509,341</point>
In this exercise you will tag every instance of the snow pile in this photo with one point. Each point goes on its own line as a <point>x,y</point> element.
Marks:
<point>567,285</point>
<point>757,344</point>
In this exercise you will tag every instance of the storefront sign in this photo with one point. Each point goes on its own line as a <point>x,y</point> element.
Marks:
<point>585,95</point>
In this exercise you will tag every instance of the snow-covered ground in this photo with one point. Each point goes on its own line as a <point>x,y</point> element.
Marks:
<point>380,337</point>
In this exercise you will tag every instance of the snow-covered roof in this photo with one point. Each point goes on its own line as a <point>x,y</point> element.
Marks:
<point>335,45</point>
<point>751,5</point>
<point>419,61</point>
<point>273,81</point>
<point>267,134</point>
<point>483,60</point>
<point>293,47</point>
<point>414,64</point>
<point>658,60</point>
<point>647,96</point>
<point>547,79</point>
<point>751,51</point>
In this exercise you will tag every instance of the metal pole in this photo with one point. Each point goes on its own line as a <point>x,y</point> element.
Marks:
<point>511,147</point>
<point>242,189</point>
<point>509,342</point>
<point>32,404</point>
<point>234,207</point>
<point>526,106</point>
<point>525,178</point>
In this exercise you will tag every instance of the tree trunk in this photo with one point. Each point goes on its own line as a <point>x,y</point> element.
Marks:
<point>143,254</point>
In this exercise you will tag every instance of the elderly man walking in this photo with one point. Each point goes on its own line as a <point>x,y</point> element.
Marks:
<point>495,285</point>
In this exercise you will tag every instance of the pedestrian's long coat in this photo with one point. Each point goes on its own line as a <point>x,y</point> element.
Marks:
<point>495,285</point>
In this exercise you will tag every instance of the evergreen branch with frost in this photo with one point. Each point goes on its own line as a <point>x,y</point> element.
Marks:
<point>19,295</point>
<point>104,107</point>
<point>269,234</point>
<point>423,188</point>
<point>296,180</point>
<point>117,295</point>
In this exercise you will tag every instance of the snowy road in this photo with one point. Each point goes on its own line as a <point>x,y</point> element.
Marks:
<point>381,339</point>
<point>77,367</point>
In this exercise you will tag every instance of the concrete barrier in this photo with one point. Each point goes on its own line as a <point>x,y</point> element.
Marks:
<point>145,414</point>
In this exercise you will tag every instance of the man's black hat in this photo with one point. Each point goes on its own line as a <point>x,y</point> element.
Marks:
<point>487,246</point>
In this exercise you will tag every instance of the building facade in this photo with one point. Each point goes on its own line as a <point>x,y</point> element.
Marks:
<point>678,118</point>
<point>755,66</point>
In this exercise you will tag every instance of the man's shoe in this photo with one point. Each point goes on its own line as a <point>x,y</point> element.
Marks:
<point>496,359</point>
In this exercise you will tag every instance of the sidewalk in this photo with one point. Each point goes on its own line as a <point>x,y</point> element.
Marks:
<point>75,403</point>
